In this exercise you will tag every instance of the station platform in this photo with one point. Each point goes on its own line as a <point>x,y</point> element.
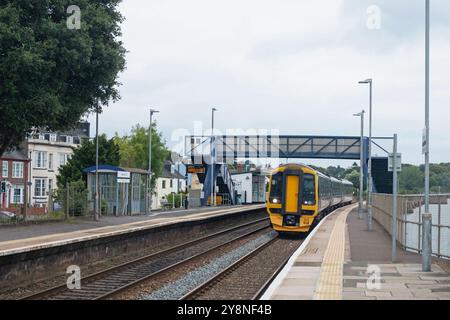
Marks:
<point>25,238</point>
<point>341,260</point>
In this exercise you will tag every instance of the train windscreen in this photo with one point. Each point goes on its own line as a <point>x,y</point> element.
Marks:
<point>309,195</point>
<point>276,188</point>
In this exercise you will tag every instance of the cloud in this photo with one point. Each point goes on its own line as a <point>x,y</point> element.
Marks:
<point>287,65</point>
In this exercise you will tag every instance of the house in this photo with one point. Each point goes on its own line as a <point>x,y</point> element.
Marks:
<point>170,181</point>
<point>49,151</point>
<point>14,176</point>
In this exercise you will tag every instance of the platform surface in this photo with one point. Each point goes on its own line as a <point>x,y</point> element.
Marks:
<point>343,261</point>
<point>16,239</point>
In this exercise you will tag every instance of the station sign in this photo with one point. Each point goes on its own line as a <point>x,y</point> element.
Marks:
<point>123,177</point>
<point>195,169</point>
<point>398,162</point>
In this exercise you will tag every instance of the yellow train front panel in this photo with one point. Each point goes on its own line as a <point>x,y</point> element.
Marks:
<point>292,202</point>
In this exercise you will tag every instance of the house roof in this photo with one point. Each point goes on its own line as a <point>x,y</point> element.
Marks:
<point>15,155</point>
<point>167,172</point>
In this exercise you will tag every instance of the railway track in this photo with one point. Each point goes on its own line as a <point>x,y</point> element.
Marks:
<point>248,277</point>
<point>111,281</point>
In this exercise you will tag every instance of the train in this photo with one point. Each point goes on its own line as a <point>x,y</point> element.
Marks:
<point>298,197</point>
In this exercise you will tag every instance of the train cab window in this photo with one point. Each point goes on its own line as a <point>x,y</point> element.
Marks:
<point>309,193</point>
<point>276,188</point>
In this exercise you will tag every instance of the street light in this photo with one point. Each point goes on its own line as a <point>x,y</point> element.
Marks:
<point>426,218</point>
<point>369,184</point>
<point>361,171</point>
<point>149,193</point>
<point>97,193</point>
<point>213,198</point>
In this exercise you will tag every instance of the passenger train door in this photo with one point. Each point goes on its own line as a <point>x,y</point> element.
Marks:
<point>292,197</point>
<point>292,193</point>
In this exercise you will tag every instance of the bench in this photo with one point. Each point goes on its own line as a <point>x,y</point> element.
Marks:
<point>165,204</point>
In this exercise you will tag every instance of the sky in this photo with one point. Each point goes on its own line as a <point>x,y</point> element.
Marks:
<point>286,65</point>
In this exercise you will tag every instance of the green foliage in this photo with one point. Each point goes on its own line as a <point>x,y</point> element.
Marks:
<point>84,157</point>
<point>411,179</point>
<point>50,75</point>
<point>353,177</point>
<point>73,198</point>
<point>134,150</point>
<point>170,199</point>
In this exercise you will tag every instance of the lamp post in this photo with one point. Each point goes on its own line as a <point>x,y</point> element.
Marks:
<point>361,171</point>
<point>213,198</point>
<point>97,193</point>
<point>149,190</point>
<point>426,218</point>
<point>369,184</point>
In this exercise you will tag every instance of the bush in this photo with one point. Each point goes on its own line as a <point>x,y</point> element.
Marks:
<point>77,202</point>
<point>177,196</point>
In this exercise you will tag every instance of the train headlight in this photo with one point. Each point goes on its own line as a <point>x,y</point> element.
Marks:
<point>275,200</point>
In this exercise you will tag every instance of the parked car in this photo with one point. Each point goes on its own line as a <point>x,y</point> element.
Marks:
<point>7,215</point>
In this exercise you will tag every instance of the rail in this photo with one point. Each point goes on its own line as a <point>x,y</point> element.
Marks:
<point>110,281</point>
<point>409,221</point>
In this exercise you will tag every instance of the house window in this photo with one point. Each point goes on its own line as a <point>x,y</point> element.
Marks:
<point>50,184</point>
<point>17,193</point>
<point>53,137</point>
<point>41,159</point>
<point>50,161</point>
<point>39,188</point>
<point>63,157</point>
<point>17,170</point>
<point>69,139</point>
<point>164,184</point>
<point>171,183</point>
<point>5,172</point>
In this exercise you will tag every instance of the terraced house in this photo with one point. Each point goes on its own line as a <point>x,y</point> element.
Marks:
<point>14,177</point>
<point>49,151</point>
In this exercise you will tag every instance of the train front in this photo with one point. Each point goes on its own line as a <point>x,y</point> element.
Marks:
<point>292,201</point>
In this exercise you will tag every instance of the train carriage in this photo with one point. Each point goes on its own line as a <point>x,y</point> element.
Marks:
<point>299,196</point>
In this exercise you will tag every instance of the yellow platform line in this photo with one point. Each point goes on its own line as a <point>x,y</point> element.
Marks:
<point>329,286</point>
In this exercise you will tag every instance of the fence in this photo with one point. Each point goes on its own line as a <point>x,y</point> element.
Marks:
<point>61,204</point>
<point>409,220</point>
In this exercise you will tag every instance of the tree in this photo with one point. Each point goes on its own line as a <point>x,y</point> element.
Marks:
<point>134,150</point>
<point>51,75</point>
<point>411,179</point>
<point>84,157</point>
<point>353,177</point>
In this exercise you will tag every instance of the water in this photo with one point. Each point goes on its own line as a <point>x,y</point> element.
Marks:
<point>412,236</point>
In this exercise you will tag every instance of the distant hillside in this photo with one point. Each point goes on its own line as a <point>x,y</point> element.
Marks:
<point>411,179</point>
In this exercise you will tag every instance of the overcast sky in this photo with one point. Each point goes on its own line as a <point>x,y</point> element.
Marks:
<point>286,65</point>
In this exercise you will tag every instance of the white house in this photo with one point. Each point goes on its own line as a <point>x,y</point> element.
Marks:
<point>49,151</point>
<point>170,181</point>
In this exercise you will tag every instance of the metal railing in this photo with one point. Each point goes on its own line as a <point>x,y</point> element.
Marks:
<point>409,220</point>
